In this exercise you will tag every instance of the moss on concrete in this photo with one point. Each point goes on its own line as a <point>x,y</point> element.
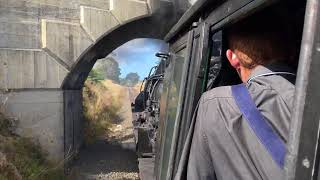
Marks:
<point>22,157</point>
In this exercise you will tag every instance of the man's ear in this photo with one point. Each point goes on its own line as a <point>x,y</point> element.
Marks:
<point>233,59</point>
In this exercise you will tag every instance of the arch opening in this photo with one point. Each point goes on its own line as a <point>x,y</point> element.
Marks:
<point>107,97</point>
<point>153,26</point>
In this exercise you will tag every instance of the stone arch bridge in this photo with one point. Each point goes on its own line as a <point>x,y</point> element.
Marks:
<point>47,49</point>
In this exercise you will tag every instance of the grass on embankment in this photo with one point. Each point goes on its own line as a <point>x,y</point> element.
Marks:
<point>20,158</point>
<point>102,106</point>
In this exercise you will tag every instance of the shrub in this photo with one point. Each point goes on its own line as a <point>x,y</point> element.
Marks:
<point>95,76</point>
<point>25,156</point>
<point>101,109</point>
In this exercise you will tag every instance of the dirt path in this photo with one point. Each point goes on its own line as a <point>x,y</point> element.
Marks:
<point>123,132</point>
<point>111,157</point>
<point>105,161</point>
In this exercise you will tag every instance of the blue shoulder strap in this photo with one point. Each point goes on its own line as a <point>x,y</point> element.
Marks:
<point>271,140</point>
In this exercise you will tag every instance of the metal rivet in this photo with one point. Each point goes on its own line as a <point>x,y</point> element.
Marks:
<point>306,163</point>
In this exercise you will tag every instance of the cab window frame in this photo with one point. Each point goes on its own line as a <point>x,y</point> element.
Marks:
<point>307,89</point>
<point>179,45</point>
<point>303,157</point>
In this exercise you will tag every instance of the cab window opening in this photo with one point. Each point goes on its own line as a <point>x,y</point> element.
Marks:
<point>218,64</point>
<point>271,39</point>
<point>216,71</point>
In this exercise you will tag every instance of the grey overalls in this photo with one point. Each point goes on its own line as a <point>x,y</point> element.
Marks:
<point>222,145</point>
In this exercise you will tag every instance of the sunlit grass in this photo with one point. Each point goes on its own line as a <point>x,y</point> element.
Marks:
<point>102,105</point>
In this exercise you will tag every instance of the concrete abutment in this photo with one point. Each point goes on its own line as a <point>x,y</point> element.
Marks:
<point>47,49</point>
<point>38,114</point>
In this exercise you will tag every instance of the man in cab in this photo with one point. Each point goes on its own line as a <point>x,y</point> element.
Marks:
<point>241,131</point>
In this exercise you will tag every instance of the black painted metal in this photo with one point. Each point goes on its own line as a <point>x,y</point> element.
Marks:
<point>190,16</point>
<point>193,42</point>
<point>179,45</point>
<point>198,55</point>
<point>226,9</point>
<point>303,159</point>
<point>186,56</point>
<point>162,119</point>
<point>303,148</point>
<point>194,34</point>
<point>223,11</point>
<point>249,8</point>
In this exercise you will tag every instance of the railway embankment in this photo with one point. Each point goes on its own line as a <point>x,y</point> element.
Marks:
<point>109,152</point>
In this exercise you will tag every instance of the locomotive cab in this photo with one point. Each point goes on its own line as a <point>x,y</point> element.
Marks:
<point>198,63</point>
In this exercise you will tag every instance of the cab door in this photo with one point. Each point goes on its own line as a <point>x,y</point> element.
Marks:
<point>199,58</point>
<point>170,103</point>
<point>182,89</point>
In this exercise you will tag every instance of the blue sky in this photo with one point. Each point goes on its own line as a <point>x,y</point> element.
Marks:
<point>138,56</point>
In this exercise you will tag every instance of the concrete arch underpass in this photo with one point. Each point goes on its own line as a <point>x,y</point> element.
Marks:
<point>153,26</point>
<point>47,50</point>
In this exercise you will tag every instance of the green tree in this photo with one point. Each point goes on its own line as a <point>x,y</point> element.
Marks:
<point>95,75</point>
<point>131,79</point>
<point>109,69</point>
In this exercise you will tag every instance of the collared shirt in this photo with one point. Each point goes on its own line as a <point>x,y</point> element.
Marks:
<point>224,147</point>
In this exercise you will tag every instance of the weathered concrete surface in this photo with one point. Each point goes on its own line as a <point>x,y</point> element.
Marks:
<point>29,69</point>
<point>51,117</point>
<point>39,115</point>
<point>125,10</point>
<point>73,126</point>
<point>104,19</point>
<point>43,42</point>
<point>63,41</point>
<point>39,43</point>
<point>19,35</point>
<point>52,8</point>
<point>60,29</point>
